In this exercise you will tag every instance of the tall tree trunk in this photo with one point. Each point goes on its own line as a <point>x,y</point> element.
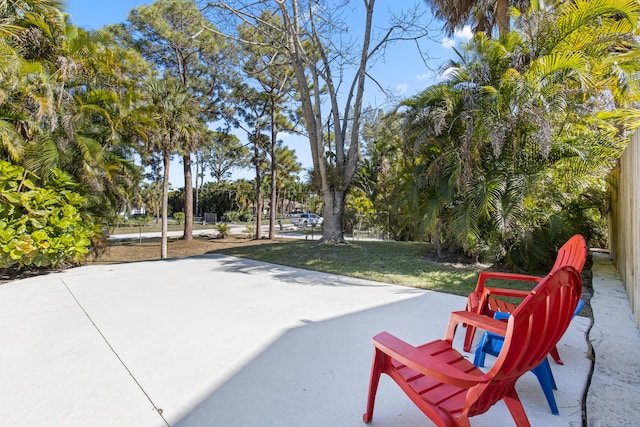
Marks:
<point>196,207</point>
<point>256,162</point>
<point>188,198</point>
<point>502,16</point>
<point>274,136</point>
<point>333,201</point>
<point>166,160</point>
<point>335,174</point>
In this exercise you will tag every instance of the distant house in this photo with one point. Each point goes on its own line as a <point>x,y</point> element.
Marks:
<point>133,212</point>
<point>138,211</point>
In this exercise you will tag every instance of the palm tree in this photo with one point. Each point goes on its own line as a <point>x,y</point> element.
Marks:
<point>28,31</point>
<point>174,35</point>
<point>510,139</point>
<point>86,99</point>
<point>12,118</point>
<point>151,195</point>
<point>287,168</point>
<point>171,106</point>
<point>484,15</point>
<point>61,102</point>
<point>31,22</point>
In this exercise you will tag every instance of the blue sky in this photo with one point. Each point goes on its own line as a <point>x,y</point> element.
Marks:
<point>401,70</point>
<point>95,14</point>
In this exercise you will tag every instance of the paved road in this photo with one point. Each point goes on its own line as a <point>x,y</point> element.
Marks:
<point>289,231</point>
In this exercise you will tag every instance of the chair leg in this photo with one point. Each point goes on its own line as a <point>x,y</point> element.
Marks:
<point>468,338</point>
<point>547,383</point>
<point>489,343</point>
<point>376,370</point>
<point>556,356</point>
<point>473,302</point>
<point>547,366</point>
<point>515,407</point>
<point>478,360</point>
<point>495,344</point>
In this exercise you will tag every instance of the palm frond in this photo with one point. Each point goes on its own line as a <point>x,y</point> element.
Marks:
<point>628,117</point>
<point>11,141</point>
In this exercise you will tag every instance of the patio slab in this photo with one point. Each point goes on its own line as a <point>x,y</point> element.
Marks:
<point>222,341</point>
<point>614,392</point>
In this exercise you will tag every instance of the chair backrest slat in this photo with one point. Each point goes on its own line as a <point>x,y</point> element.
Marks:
<point>573,253</point>
<point>534,328</point>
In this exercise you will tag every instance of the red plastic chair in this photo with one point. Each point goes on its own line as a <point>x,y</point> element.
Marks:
<point>492,344</point>
<point>447,387</point>
<point>483,299</point>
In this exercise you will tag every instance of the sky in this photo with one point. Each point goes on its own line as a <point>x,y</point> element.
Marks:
<point>402,69</point>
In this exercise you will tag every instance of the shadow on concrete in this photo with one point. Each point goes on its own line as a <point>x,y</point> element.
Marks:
<point>317,375</point>
<point>292,275</point>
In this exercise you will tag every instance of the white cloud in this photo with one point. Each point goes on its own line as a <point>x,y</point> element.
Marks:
<point>402,88</point>
<point>448,43</point>
<point>465,33</point>
<point>425,76</point>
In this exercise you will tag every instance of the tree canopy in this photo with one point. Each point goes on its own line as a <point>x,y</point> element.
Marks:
<point>505,156</point>
<point>509,155</point>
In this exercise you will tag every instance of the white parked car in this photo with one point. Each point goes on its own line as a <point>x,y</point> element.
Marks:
<point>307,219</point>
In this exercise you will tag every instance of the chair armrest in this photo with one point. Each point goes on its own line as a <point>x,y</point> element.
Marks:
<point>424,363</point>
<point>477,298</point>
<point>486,275</point>
<point>474,319</point>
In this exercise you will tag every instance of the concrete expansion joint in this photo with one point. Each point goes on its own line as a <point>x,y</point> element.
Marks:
<point>115,353</point>
<point>591,355</point>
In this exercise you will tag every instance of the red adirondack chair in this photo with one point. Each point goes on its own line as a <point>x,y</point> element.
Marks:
<point>447,387</point>
<point>483,299</point>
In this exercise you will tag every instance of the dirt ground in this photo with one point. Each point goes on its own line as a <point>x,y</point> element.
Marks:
<point>147,250</point>
<point>150,249</point>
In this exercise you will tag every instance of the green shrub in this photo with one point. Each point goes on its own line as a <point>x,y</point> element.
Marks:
<point>141,220</point>
<point>249,231</point>
<point>245,216</point>
<point>231,216</point>
<point>223,230</point>
<point>242,216</point>
<point>41,227</point>
<point>179,217</point>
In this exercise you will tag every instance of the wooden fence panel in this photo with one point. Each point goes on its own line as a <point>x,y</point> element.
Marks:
<point>624,221</point>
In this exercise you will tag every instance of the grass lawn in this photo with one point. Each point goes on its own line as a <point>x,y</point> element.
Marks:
<point>404,263</point>
<point>135,227</point>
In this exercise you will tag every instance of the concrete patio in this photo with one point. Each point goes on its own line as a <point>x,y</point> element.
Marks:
<point>221,341</point>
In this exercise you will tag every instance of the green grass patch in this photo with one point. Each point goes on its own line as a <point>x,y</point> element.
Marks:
<point>134,227</point>
<point>402,263</point>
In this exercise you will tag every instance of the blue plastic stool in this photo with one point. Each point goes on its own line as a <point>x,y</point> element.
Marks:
<point>492,343</point>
